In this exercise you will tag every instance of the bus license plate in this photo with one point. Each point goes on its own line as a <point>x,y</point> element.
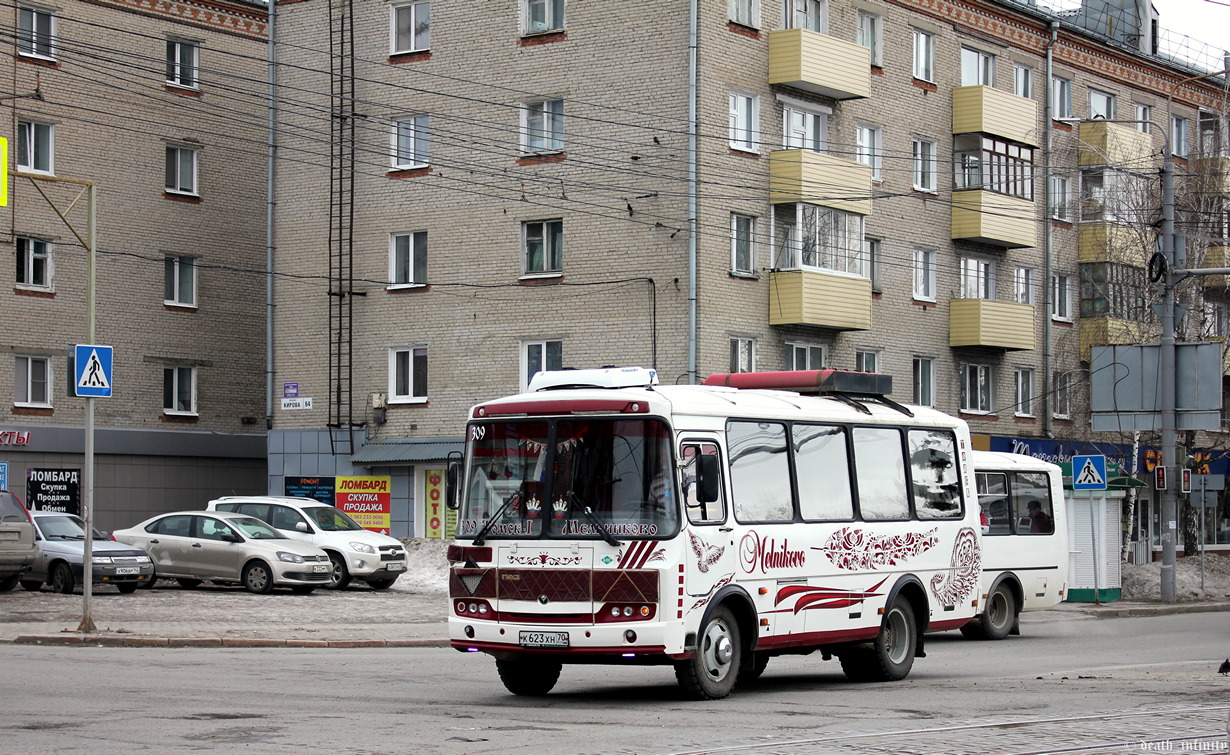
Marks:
<point>544,639</point>
<point>127,570</point>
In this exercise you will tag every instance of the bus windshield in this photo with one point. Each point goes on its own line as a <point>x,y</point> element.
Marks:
<point>569,478</point>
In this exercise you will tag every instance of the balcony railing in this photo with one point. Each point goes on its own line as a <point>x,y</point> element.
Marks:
<point>991,218</point>
<point>1103,143</point>
<point>815,62</point>
<point>991,322</point>
<point>802,175</point>
<point>987,110</point>
<point>814,297</point>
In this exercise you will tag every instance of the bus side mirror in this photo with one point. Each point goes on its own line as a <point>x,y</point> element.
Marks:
<point>708,479</point>
<point>450,481</point>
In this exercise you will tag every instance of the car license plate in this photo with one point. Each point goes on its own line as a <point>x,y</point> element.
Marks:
<point>544,639</point>
<point>127,570</point>
<point>320,568</point>
<point>396,567</point>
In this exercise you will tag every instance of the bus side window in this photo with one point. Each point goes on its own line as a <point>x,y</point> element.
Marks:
<point>993,498</point>
<point>1031,504</point>
<point>701,511</point>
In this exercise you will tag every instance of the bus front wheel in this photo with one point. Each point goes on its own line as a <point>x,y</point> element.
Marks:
<point>533,678</point>
<point>711,672</point>
<point>890,656</point>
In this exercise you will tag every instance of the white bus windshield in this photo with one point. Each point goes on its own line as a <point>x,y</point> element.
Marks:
<point>569,478</point>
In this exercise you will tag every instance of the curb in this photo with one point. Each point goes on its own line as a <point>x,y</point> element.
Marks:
<point>1159,610</point>
<point>73,640</point>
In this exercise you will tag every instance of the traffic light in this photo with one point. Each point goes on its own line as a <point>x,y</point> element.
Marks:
<point>1186,481</point>
<point>1159,477</point>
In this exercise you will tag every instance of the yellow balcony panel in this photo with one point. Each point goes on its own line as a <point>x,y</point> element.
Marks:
<point>814,297</point>
<point>995,219</point>
<point>1114,242</point>
<point>801,175</point>
<point>815,62</point>
<point>987,110</point>
<point>1213,173</point>
<point>1105,331</point>
<point>1214,256</point>
<point>991,322</point>
<point>1103,143</point>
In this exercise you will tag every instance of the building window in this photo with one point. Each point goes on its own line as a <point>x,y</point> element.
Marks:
<point>1023,285</point>
<point>744,113</point>
<point>976,388</point>
<point>1061,297</point>
<point>745,12</point>
<point>924,165</point>
<point>544,126</point>
<point>179,390</point>
<point>1061,97</point>
<point>866,361</point>
<point>1023,81</point>
<point>804,356</point>
<point>924,274</point>
<point>806,14</point>
<point>1024,393</point>
<point>742,355</point>
<point>805,130</point>
<point>1213,323</point>
<point>924,55</point>
<point>742,243</point>
<point>408,374</point>
<point>870,35</point>
<point>544,246</point>
<point>34,265</point>
<point>1061,393</point>
<point>1178,136</point>
<point>872,253</point>
<point>1061,198</point>
<point>543,15</point>
<point>411,27</point>
<point>1101,104</point>
<point>410,142</point>
<point>924,381</point>
<point>35,147</point>
<point>868,147</point>
<point>181,170</point>
<point>1114,290</point>
<point>1144,114</point>
<point>983,162</point>
<point>35,32</point>
<point>820,237</point>
<point>182,63</point>
<point>408,258</point>
<point>977,68</point>
<point>179,281</point>
<point>977,278</point>
<point>537,356</point>
<point>32,382</point>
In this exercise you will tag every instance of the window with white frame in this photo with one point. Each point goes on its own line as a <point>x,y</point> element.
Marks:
<point>1061,297</point>
<point>745,12</point>
<point>543,242</point>
<point>744,113</point>
<point>410,137</point>
<point>408,374</point>
<point>924,274</point>
<point>869,147</point>
<point>34,264</point>
<point>866,361</point>
<point>35,147</point>
<point>742,355</point>
<point>1061,198</point>
<point>35,32</point>
<point>537,356</point>
<point>1023,81</point>
<point>179,281</point>
<point>976,388</point>
<point>977,68</point>
<point>872,252</point>
<point>179,390</point>
<point>805,14</point>
<point>1023,285</point>
<point>924,165</point>
<point>812,236</point>
<point>924,381</point>
<point>1061,395</point>
<point>1024,392</point>
<point>1178,136</point>
<point>1101,104</point>
<point>408,258</point>
<point>977,278</point>
<point>871,35</point>
<point>804,129</point>
<point>181,170</point>
<point>924,55</point>
<point>1061,97</point>
<point>984,162</point>
<point>804,356</point>
<point>1143,114</point>
<point>543,127</point>
<point>543,15</point>
<point>742,243</point>
<point>1111,195</point>
<point>411,27</point>
<point>183,61</point>
<point>32,381</point>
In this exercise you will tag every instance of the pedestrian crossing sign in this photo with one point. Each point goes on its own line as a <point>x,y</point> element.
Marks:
<point>92,371</point>
<point>1089,472</point>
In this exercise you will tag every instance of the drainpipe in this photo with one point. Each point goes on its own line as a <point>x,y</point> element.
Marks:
<point>1048,252</point>
<point>271,109</point>
<point>692,156</point>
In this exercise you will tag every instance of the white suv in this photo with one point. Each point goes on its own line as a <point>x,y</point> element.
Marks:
<point>356,553</point>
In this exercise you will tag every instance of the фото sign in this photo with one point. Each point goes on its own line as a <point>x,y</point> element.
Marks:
<point>439,521</point>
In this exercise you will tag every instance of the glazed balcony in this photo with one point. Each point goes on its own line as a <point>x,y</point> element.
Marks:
<point>987,110</point>
<point>1103,143</point>
<point>816,297</point>
<point>803,175</point>
<point>991,322</point>
<point>996,219</point>
<point>815,62</point>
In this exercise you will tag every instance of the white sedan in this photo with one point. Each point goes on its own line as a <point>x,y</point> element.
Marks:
<point>194,546</point>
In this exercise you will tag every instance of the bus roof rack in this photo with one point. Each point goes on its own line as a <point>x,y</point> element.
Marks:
<point>844,385</point>
<point>603,377</point>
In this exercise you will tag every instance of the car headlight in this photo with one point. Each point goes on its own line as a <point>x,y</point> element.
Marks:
<point>363,547</point>
<point>142,559</point>
<point>293,558</point>
<point>102,559</point>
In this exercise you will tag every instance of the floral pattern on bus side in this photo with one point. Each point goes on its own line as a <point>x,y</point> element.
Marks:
<point>717,586</point>
<point>962,578</point>
<point>826,597</point>
<point>852,549</point>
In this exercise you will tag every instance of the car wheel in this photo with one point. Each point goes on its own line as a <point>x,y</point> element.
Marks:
<point>533,677</point>
<point>302,589</point>
<point>711,672</point>
<point>126,588</point>
<point>8,583</point>
<point>381,584</point>
<point>257,577</point>
<point>33,585</point>
<point>62,579</point>
<point>187,583</point>
<point>341,575</point>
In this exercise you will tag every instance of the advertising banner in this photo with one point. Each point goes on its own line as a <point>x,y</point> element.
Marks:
<point>440,522</point>
<point>54,490</point>
<point>368,501</point>
<point>318,488</point>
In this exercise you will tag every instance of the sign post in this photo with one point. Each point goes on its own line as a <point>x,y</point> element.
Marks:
<point>92,378</point>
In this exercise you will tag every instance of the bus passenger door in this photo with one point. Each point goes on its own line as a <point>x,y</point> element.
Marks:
<point>709,550</point>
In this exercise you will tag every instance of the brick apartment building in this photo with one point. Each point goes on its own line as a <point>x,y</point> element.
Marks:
<point>162,107</point>
<point>699,187</point>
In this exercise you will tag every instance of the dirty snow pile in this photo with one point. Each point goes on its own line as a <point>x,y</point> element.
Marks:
<point>1143,581</point>
<point>426,560</point>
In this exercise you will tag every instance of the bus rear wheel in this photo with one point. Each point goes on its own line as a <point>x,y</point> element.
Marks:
<point>996,621</point>
<point>711,672</point>
<point>890,655</point>
<point>533,678</point>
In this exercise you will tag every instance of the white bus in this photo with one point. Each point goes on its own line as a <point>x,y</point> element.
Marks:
<point>1024,540</point>
<point>605,518</point>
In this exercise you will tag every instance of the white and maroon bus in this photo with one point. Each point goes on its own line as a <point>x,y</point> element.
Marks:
<point>605,518</point>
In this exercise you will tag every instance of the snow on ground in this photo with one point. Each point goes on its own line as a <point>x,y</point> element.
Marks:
<point>1143,581</point>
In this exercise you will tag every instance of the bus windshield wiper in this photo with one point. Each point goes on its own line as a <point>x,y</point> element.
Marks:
<point>482,531</point>
<point>593,518</point>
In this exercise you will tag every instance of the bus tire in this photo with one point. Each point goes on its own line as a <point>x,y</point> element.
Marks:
<point>711,672</point>
<point>996,621</point>
<point>753,667</point>
<point>891,654</point>
<point>532,678</point>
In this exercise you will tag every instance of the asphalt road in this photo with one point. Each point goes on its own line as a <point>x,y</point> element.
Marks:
<point>1071,685</point>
